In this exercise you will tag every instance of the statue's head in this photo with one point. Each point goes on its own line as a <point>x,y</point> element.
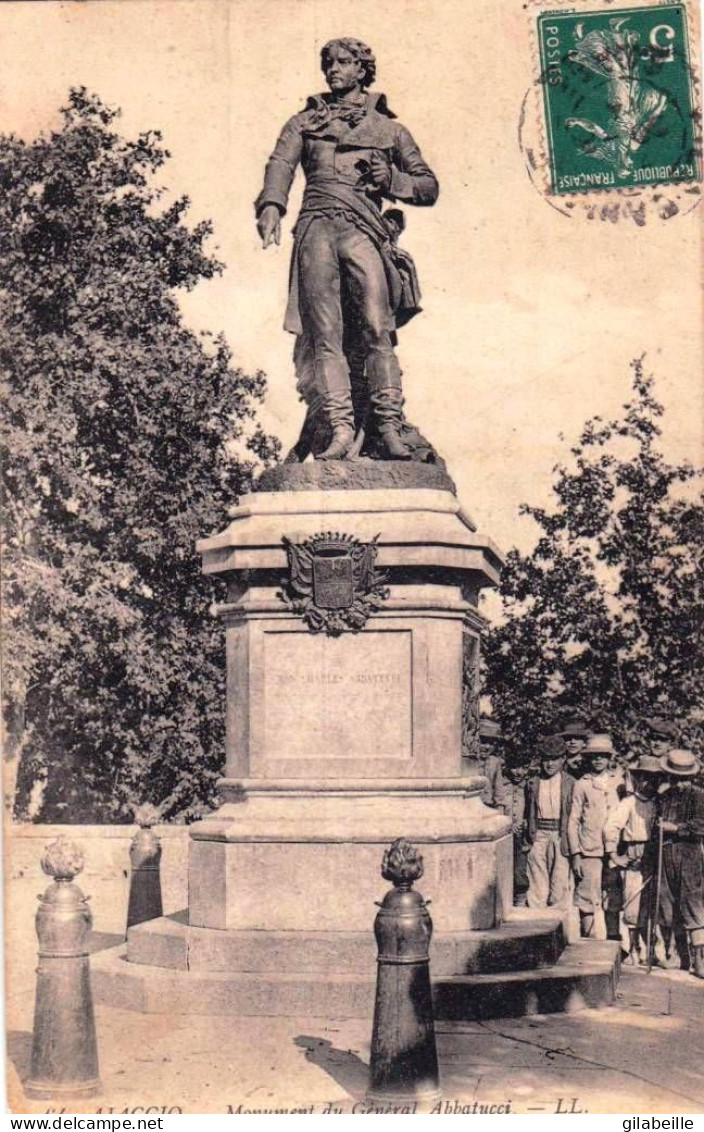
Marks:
<point>347,63</point>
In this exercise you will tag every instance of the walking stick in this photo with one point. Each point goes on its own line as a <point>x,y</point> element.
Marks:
<point>638,892</point>
<point>652,923</point>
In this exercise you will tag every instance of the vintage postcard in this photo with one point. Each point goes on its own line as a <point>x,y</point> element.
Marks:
<point>352,571</point>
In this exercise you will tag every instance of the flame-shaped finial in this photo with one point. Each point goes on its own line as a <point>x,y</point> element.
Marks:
<point>63,859</point>
<point>402,863</point>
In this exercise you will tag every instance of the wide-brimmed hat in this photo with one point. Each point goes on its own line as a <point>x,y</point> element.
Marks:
<point>660,727</point>
<point>646,764</point>
<point>680,762</point>
<point>489,730</point>
<point>599,745</point>
<point>552,747</point>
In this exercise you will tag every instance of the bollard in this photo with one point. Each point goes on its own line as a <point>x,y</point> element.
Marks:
<point>403,1067</point>
<point>64,1048</point>
<point>145,881</point>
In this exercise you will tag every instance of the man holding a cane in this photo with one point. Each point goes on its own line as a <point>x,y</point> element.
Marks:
<point>682,827</point>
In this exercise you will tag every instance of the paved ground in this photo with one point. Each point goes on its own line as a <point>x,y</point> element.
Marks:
<point>643,1055</point>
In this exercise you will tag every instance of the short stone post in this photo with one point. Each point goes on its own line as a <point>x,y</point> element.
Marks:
<point>64,1047</point>
<point>145,881</point>
<point>404,1062</point>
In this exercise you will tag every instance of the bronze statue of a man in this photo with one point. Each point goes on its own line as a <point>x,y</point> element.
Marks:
<point>350,285</point>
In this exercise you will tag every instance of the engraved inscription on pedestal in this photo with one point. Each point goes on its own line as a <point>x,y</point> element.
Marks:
<point>347,697</point>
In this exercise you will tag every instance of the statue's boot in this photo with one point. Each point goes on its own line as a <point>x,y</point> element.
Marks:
<point>341,443</point>
<point>586,924</point>
<point>334,380</point>
<point>392,445</point>
<point>698,968</point>
<point>634,956</point>
<point>386,399</point>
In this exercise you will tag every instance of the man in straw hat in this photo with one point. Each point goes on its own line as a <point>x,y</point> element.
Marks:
<point>682,822</point>
<point>627,839</point>
<point>594,797</point>
<point>548,800</point>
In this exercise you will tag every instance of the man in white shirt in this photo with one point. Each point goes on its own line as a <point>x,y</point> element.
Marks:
<point>627,840</point>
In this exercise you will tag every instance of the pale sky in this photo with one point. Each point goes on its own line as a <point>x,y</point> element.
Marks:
<point>530,317</point>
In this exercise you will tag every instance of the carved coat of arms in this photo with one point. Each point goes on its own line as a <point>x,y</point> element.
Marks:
<point>333,582</point>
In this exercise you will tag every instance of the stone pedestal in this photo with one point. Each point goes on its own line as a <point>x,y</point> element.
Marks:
<point>337,745</point>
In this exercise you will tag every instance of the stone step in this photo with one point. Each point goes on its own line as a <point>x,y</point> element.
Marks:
<point>585,975</point>
<point>170,942</point>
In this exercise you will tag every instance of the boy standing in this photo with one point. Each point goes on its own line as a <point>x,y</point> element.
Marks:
<point>629,826</point>
<point>595,795</point>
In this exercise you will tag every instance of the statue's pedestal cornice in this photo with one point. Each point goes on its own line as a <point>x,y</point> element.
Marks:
<point>416,528</point>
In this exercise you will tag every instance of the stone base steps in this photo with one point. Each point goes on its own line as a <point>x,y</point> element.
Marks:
<point>170,942</point>
<point>581,975</point>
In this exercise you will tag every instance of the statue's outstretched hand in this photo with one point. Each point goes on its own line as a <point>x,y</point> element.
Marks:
<point>269,225</point>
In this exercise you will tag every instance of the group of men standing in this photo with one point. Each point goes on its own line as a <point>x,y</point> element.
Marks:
<point>620,838</point>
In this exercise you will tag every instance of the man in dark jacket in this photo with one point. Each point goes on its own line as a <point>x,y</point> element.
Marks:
<point>682,820</point>
<point>355,155</point>
<point>548,800</point>
<point>517,777</point>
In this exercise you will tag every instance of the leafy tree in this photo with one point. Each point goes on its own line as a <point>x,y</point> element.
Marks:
<point>126,437</point>
<point>606,613</point>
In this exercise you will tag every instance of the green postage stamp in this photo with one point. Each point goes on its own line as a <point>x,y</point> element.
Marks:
<point>619,106</point>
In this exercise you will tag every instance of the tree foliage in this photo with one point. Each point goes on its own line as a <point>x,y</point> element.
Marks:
<point>606,613</point>
<point>126,437</point>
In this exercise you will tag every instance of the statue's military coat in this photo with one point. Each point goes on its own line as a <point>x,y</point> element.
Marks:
<point>335,154</point>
